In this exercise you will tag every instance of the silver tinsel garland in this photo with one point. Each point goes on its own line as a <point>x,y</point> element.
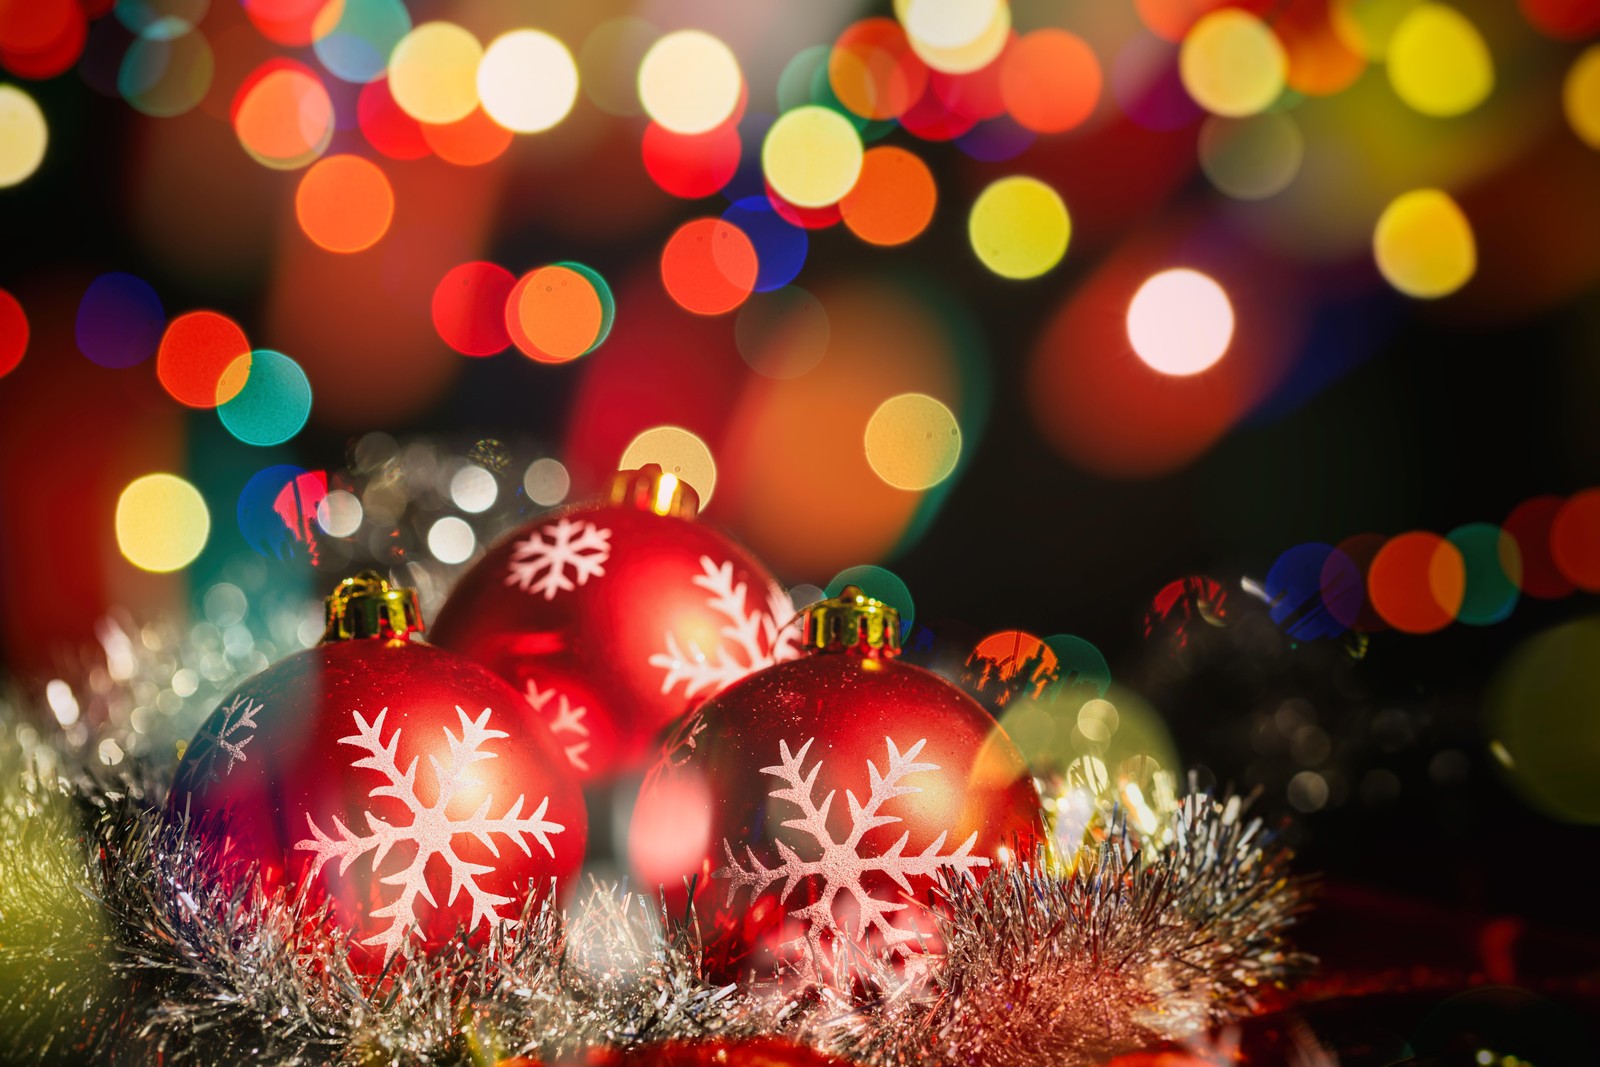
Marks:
<point>117,946</point>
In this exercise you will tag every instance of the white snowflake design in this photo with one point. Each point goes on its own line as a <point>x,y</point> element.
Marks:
<point>840,866</point>
<point>748,642</point>
<point>539,566</point>
<point>432,830</point>
<point>564,719</point>
<point>229,741</point>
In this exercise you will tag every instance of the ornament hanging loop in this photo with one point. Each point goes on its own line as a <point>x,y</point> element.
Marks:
<point>853,622</point>
<point>652,489</point>
<point>366,605</point>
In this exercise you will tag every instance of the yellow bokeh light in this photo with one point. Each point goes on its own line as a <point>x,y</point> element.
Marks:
<point>679,453</point>
<point>1438,62</point>
<point>23,136</point>
<point>1424,245</point>
<point>1367,26</point>
<point>527,81</point>
<point>689,82</point>
<point>913,441</point>
<point>812,156</point>
<point>1019,227</point>
<point>1540,712</point>
<point>1580,96</point>
<point>162,523</point>
<point>1233,64</point>
<point>1180,322</point>
<point>955,36</point>
<point>433,73</point>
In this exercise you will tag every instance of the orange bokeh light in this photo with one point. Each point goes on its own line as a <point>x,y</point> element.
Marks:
<point>469,142</point>
<point>344,203</point>
<point>295,23</point>
<point>1417,582</point>
<point>1050,81</point>
<point>893,200</point>
<point>195,354</point>
<point>554,314</point>
<point>709,266</point>
<point>874,72</point>
<point>283,115</point>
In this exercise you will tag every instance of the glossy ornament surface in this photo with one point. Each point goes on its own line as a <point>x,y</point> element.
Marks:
<point>613,618</point>
<point>399,782</point>
<point>813,801</point>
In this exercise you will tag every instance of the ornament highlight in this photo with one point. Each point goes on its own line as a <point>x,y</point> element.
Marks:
<point>450,812</point>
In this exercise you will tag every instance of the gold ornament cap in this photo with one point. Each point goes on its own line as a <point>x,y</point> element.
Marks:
<point>366,605</point>
<point>853,622</point>
<point>649,488</point>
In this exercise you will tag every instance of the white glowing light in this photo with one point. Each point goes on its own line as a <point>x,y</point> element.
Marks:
<point>1180,322</point>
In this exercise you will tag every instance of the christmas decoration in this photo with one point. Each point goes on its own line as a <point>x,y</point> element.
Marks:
<point>398,782</point>
<point>126,942</point>
<point>743,801</point>
<point>615,617</point>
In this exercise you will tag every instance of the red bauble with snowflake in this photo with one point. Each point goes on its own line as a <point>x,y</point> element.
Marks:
<point>813,802</point>
<point>613,618</point>
<point>401,783</point>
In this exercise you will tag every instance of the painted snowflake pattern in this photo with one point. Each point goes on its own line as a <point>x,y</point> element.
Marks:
<point>432,830</point>
<point>750,639</point>
<point>839,865</point>
<point>564,718</point>
<point>230,741</point>
<point>540,566</point>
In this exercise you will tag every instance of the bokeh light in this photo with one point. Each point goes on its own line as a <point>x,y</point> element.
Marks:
<point>433,73</point>
<point>194,355</point>
<point>23,136</point>
<point>1296,602</point>
<point>120,320</point>
<point>1438,63</point>
<point>677,452</point>
<point>358,45</point>
<point>1417,582</point>
<point>1079,662</point>
<point>780,245</point>
<point>555,314</point>
<point>1424,244</point>
<point>1366,26</point>
<point>274,402</point>
<point>879,583</point>
<point>162,523</point>
<point>1019,227</point>
<point>295,23</point>
<point>609,63</point>
<point>1344,582</point>
<point>1574,538</point>
<point>782,334</point>
<point>812,156</point>
<point>1493,567</point>
<point>283,115</point>
<point>1541,715</point>
<point>166,73</point>
<point>689,82</point>
<point>894,198</point>
<point>956,36</point>
<point>1050,80</point>
<point>13,333</point>
<point>873,71</point>
<point>709,266</point>
<point>1580,96</point>
<point>473,489</point>
<point>1180,322</point>
<point>451,540</point>
<point>344,203</point>
<point>1251,158</point>
<point>913,441</point>
<point>340,513</point>
<point>1233,64</point>
<point>528,81</point>
<point>469,142</point>
<point>546,482</point>
<point>691,165</point>
<point>469,308</point>
<point>387,128</point>
<point>1531,525</point>
<point>1010,665</point>
<point>278,507</point>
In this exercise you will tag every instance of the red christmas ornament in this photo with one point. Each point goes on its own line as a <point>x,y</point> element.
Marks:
<point>815,799</point>
<point>614,618</point>
<point>399,782</point>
